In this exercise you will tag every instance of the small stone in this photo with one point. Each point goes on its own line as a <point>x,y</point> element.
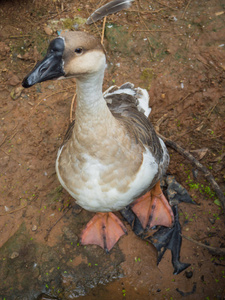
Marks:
<point>14,80</point>
<point>187,229</point>
<point>15,94</point>
<point>34,227</point>
<point>188,274</point>
<point>19,141</point>
<point>4,161</point>
<point>51,87</point>
<point>212,221</point>
<point>14,255</point>
<point>163,96</point>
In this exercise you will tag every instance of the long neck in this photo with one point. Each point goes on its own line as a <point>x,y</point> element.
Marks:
<point>90,100</point>
<point>93,119</point>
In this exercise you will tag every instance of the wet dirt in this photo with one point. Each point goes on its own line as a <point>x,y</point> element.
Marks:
<point>176,50</point>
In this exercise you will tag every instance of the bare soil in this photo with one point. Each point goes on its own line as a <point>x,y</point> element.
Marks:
<point>176,50</point>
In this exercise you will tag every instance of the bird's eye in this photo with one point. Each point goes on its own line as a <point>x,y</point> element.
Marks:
<point>78,50</point>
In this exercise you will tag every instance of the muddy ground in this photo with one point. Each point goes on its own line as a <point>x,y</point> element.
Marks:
<point>176,50</point>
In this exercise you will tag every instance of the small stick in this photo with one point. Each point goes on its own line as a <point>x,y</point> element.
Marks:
<point>213,250</point>
<point>186,9</point>
<point>144,30</point>
<point>12,136</point>
<point>3,141</point>
<point>147,11</point>
<point>212,109</point>
<point>12,211</point>
<point>50,229</point>
<point>199,166</point>
<point>163,4</point>
<point>19,36</point>
<point>205,64</point>
<point>103,30</point>
<point>19,208</point>
<point>160,121</point>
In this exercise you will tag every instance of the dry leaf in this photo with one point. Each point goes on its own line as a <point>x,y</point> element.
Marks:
<point>199,153</point>
<point>219,13</point>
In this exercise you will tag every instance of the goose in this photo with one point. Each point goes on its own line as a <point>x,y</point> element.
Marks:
<point>111,157</point>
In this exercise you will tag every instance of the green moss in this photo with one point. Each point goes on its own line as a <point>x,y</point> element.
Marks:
<point>203,189</point>
<point>147,76</point>
<point>70,23</point>
<point>118,39</point>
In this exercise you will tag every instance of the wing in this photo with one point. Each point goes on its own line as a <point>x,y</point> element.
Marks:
<point>128,105</point>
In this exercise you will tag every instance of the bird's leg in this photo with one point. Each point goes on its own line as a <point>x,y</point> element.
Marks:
<point>104,229</point>
<point>153,208</point>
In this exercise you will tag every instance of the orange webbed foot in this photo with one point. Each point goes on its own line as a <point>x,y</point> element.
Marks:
<point>153,209</point>
<point>104,229</point>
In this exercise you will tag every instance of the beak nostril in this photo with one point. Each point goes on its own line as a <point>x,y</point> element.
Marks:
<point>43,69</point>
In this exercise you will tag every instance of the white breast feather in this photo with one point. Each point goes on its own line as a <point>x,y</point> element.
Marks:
<point>92,198</point>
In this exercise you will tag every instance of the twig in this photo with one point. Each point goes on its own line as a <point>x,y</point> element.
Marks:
<point>160,121</point>
<point>178,136</point>
<point>205,64</point>
<point>19,36</point>
<point>103,31</point>
<point>50,229</point>
<point>186,9</point>
<point>163,4</point>
<point>199,166</point>
<point>212,250</point>
<point>189,38</point>
<point>7,154</point>
<point>19,208</point>
<point>147,11</point>
<point>209,111</point>
<point>3,141</point>
<point>55,15</point>
<point>11,137</point>
<point>147,30</point>
<point>12,211</point>
<point>212,109</point>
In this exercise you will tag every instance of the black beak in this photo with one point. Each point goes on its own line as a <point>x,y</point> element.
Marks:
<point>51,67</point>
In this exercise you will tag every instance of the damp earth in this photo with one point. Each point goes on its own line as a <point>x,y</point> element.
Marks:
<point>176,50</point>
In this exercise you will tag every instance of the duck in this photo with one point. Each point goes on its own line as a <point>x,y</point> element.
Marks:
<point>111,157</point>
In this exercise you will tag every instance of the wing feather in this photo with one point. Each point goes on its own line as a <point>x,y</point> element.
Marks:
<point>108,9</point>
